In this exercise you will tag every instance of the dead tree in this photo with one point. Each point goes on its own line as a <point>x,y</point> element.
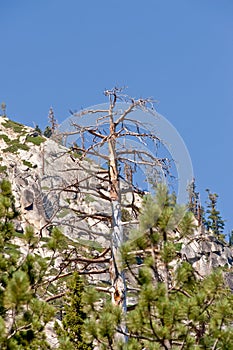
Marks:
<point>114,126</point>
<point>52,121</point>
<point>194,203</point>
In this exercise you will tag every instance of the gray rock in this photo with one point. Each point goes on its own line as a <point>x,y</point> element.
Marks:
<point>27,199</point>
<point>229,279</point>
<point>19,227</point>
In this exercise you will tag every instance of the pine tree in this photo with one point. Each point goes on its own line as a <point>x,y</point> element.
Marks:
<point>37,129</point>
<point>22,315</point>
<point>230,237</point>
<point>48,132</point>
<point>71,332</point>
<point>214,221</point>
<point>171,307</point>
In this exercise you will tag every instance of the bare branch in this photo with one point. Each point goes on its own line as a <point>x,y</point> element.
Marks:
<point>54,297</point>
<point>90,260</point>
<point>90,111</point>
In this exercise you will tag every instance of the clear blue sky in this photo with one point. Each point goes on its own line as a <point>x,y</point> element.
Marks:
<point>65,53</point>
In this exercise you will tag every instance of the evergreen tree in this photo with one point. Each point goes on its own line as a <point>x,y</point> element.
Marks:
<point>214,221</point>
<point>71,332</point>
<point>48,132</point>
<point>230,236</point>
<point>37,129</point>
<point>171,308</point>
<point>22,315</point>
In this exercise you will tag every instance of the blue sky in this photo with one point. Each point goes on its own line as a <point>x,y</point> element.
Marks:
<point>65,53</point>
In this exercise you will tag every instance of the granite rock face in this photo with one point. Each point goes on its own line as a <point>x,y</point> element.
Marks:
<point>50,188</point>
<point>205,252</point>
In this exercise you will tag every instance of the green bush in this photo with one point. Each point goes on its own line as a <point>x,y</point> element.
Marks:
<point>15,146</point>
<point>37,140</point>
<point>5,138</point>
<point>2,168</point>
<point>16,127</point>
<point>29,164</point>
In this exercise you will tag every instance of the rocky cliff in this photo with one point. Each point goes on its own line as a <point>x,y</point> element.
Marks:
<point>52,189</point>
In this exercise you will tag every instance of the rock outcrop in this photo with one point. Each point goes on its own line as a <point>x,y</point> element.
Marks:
<point>51,189</point>
<point>205,252</point>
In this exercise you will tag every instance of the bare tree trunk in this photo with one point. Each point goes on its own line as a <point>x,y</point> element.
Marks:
<point>117,272</point>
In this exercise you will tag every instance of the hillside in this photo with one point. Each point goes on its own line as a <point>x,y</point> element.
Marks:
<point>52,188</point>
<point>46,183</point>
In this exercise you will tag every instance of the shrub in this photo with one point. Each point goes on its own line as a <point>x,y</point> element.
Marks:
<point>35,140</point>
<point>16,127</point>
